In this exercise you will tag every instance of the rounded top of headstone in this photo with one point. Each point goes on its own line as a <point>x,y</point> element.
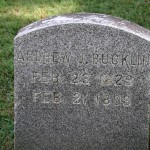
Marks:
<point>87,18</point>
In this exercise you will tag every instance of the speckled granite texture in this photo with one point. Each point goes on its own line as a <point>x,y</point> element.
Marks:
<point>82,82</point>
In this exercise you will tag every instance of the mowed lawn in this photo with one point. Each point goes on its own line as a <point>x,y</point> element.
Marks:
<point>15,14</point>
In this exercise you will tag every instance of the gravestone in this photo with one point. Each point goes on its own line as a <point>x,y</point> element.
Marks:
<point>82,82</point>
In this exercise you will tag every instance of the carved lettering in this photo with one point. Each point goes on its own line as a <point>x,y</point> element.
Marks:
<point>86,79</point>
<point>56,97</point>
<point>95,58</point>
<point>55,78</point>
<point>74,78</point>
<point>127,101</point>
<point>37,57</point>
<point>124,59</point>
<point>143,60</point>
<point>66,57</point>
<point>80,78</point>
<point>103,99</point>
<point>106,80</point>
<point>47,57</point>
<point>129,80</point>
<point>134,60</point>
<point>55,56</point>
<point>36,97</point>
<point>118,79</point>
<point>30,56</point>
<point>105,58</point>
<point>106,100</point>
<point>114,59</point>
<point>47,97</point>
<point>21,56</point>
<point>45,76</point>
<point>35,77</point>
<point>117,100</point>
<point>77,98</point>
<point>81,58</point>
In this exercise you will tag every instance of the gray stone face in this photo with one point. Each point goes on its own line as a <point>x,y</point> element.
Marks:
<point>82,82</point>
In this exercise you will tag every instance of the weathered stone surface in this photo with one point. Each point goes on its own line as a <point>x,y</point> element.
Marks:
<point>82,82</point>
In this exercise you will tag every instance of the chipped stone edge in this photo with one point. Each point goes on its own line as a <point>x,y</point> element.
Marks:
<point>87,18</point>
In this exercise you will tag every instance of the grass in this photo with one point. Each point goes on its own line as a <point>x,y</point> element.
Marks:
<point>15,14</point>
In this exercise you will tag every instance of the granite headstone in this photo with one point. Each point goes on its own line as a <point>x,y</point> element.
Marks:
<point>82,82</point>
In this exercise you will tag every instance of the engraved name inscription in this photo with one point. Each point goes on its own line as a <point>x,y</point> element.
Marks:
<point>83,76</point>
<point>67,58</point>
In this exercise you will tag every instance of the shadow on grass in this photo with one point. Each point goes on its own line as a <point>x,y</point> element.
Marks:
<point>9,27</point>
